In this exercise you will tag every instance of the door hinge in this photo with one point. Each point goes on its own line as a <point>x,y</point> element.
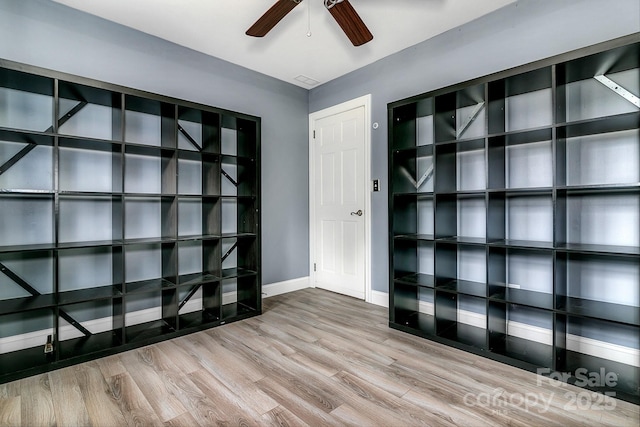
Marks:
<point>314,266</point>
<point>314,134</point>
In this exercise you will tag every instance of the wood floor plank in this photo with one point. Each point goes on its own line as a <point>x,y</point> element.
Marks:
<point>10,412</point>
<point>110,366</point>
<point>36,402</point>
<point>313,358</point>
<point>301,407</point>
<point>153,384</point>
<point>228,409</point>
<point>67,397</point>
<point>223,365</point>
<point>378,403</point>
<point>184,420</point>
<point>135,407</point>
<point>282,417</point>
<point>10,404</point>
<point>100,403</point>
<point>179,356</point>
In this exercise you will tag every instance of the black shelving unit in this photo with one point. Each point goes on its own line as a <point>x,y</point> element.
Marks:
<point>126,218</point>
<point>514,215</point>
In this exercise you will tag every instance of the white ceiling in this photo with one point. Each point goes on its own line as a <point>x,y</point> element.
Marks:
<point>217,28</point>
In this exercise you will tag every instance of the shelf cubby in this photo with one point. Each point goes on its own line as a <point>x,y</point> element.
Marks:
<point>25,354</point>
<point>470,121</point>
<point>190,177</point>
<point>150,122</point>
<point>28,101</point>
<point>521,332</point>
<point>598,159</point>
<point>150,315</point>
<point>237,136</point>
<point>150,170</point>
<point>461,319</point>
<point>238,256</point>
<point>521,160</point>
<point>89,273</point>
<point>521,101</point>
<point>198,218</point>
<point>89,218</point>
<point>599,286</point>
<point>470,165</point>
<point>199,261</point>
<point>26,281</point>
<point>599,220</point>
<point>414,173</point>
<point>521,276</point>
<point>150,266</point>
<point>526,240</point>
<point>149,217</point>
<point>586,346</point>
<point>27,219</point>
<point>521,218</point>
<point>460,268</point>
<point>90,327</point>
<point>242,299</point>
<point>413,308</point>
<point>89,166</point>
<point>89,112</point>
<point>413,261</point>
<point>34,152</point>
<point>413,216</point>
<point>190,216</point>
<point>200,307</point>
<point>198,130</point>
<point>580,94</point>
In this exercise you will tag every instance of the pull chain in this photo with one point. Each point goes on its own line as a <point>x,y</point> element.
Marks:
<point>308,18</point>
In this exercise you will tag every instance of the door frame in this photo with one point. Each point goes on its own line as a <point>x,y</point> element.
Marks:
<point>363,101</point>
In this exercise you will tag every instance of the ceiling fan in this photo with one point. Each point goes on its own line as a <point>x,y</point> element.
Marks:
<point>341,10</point>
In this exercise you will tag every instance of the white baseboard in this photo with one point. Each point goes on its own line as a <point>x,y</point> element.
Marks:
<point>604,350</point>
<point>530,332</point>
<point>96,326</point>
<point>278,288</point>
<point>584,345</point>
<point>379,298</point>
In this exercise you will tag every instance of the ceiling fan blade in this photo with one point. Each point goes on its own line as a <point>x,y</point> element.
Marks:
<point>351,23</point>
<point>271,17</point>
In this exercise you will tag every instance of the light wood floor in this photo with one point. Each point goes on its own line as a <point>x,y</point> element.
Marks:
<point>314,358</point>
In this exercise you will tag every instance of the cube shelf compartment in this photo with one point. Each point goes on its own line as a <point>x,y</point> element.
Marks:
<point>127,218</point>
<point>514,223</point>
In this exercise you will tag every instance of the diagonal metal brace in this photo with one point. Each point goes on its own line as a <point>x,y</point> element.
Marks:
<point>193,142</point>
<point>64,119</point>
<point>474,113</point>
<point>33,291</point>
<point>231,249</point>
<point>618,89</point>
<point>187,297</point>
<point>226,175</point>
<point>17,157</point>
<point>425,176</point>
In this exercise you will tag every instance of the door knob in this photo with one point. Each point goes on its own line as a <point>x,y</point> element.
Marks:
<point>359,213</point>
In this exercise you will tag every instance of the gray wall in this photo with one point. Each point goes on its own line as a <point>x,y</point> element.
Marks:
<point>517,34</point>
<point>50,35</point>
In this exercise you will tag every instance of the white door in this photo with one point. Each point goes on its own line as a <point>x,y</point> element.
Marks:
<point>339,199</point>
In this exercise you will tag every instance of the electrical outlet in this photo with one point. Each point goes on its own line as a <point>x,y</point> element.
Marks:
<point>376,185</point>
